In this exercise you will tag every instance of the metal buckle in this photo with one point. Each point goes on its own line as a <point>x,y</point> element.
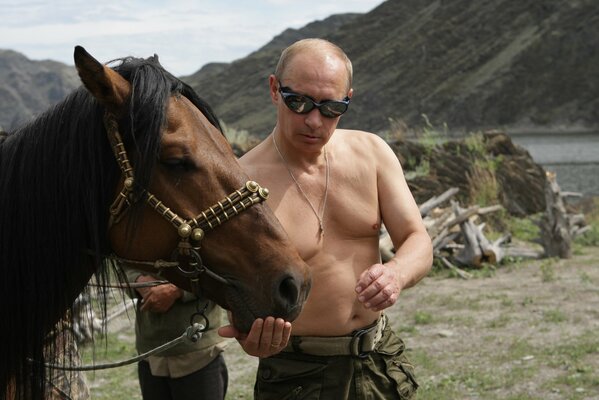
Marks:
<point>357,342</point>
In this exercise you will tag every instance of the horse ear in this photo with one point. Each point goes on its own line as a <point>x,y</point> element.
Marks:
<point>106,85</point>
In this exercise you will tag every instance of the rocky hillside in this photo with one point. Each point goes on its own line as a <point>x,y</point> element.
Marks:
<point>28,87</point>
<point>472,65</point>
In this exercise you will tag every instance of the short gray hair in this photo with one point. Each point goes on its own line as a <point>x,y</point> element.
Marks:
<point>308,44</point>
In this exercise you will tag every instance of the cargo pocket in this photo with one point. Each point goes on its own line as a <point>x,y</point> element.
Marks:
<point>402,372</point>
<point>289,379</point>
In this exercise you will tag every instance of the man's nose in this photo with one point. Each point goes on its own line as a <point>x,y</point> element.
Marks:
<point>314,119</point>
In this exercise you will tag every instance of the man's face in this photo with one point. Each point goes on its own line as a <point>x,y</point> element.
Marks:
<point>320,78</point>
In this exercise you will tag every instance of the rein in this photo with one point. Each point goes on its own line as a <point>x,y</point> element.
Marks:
<point>191,231</point>
<point>192,333</point>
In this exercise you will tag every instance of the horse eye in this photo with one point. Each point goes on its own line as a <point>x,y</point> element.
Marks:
<point>177,163</point>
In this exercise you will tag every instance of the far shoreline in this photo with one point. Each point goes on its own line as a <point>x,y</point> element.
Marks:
<point>551,130</point>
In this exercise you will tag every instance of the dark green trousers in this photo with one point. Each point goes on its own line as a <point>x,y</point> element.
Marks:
<point>385,373</point>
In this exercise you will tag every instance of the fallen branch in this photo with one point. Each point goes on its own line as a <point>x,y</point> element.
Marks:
<point>435,201</point>
<point>460,272</point>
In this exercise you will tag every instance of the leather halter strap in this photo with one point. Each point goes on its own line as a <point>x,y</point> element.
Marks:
<point>191,231</point>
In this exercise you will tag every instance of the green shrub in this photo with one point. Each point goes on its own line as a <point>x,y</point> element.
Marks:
<point>524,229</point>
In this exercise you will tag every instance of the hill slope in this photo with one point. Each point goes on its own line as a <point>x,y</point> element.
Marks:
<point>28,87</point>
<point>469,64</point>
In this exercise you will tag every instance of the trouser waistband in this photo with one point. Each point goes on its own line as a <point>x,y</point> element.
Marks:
<point>359,343</point>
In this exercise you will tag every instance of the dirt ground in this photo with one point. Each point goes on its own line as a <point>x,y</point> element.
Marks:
<point>527,330</point>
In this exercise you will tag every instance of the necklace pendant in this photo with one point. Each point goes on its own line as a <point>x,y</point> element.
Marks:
<point>304,195</point>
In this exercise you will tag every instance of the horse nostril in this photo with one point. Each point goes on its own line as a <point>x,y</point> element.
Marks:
<point>288,293</point>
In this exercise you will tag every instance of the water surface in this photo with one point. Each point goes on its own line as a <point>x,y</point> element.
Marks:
<point>574,157</point>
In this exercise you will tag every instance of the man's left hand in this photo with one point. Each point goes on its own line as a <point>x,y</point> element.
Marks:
<point>266,337</point>
<point>378,287</point>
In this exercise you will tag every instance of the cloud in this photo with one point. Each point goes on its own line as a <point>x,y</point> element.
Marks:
<point>185,34</point>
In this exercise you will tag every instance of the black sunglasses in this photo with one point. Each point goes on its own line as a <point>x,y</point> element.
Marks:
<point>300,104</point>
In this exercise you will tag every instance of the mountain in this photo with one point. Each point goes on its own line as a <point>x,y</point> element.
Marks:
<point>472,65</point>
<point>29,87</point>
<point>469,64</point>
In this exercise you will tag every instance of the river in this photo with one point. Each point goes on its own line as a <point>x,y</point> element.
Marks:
<point>574,157</point>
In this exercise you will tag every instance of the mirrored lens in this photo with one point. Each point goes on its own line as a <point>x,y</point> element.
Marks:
<point>333,108</point>
<point>299,104</point>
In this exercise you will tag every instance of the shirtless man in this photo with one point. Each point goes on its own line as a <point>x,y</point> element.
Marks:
<point>332,189</point>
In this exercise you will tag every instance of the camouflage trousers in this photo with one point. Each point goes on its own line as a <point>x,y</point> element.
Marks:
<point>384,373</point>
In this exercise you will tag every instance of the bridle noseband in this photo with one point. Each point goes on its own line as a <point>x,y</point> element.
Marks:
<point>191,231</point>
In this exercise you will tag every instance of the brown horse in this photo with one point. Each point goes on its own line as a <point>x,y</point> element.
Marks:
<point>131,166</point>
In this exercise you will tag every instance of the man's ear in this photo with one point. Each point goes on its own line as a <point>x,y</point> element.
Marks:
<point>273,84</point>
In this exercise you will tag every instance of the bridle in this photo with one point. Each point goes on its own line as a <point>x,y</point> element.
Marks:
<point>191,231</point>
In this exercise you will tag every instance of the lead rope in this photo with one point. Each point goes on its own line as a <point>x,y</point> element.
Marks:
<point>192,334</point>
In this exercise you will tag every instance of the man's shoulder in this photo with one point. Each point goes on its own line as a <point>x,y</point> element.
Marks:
<point>357,135</point>
<point>257,162</point>
<point>359,141</point>
<point>252,156</point>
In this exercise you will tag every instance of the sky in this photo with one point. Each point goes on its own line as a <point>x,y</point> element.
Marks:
<point>185,34</point>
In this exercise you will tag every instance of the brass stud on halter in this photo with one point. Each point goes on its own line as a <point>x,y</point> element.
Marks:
<point>252,186</point>
<point>263,192</point>
<point>197,235</point>
<point>184,230</point>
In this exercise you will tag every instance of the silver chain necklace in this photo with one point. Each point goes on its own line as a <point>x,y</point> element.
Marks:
<point>326,187</point>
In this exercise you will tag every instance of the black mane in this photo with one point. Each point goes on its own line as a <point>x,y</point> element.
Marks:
<point>57,181</point>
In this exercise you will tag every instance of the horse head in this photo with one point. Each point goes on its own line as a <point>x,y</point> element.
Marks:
<point>186,201</point>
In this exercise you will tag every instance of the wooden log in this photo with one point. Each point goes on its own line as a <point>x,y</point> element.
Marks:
<point>490,253</point>
<point>498,248</point>
<point>460,217</point>
<point>437,225</point>
<point>435,201</point>
<point>523,252</point>
<point>453,246</point>
<point>555,228</point>
<point>580,231</point>
<point>576,219</point>
<point>448,243</point>
<point>571,194</point>
<point>471,254</point>
<point>490,209</point>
